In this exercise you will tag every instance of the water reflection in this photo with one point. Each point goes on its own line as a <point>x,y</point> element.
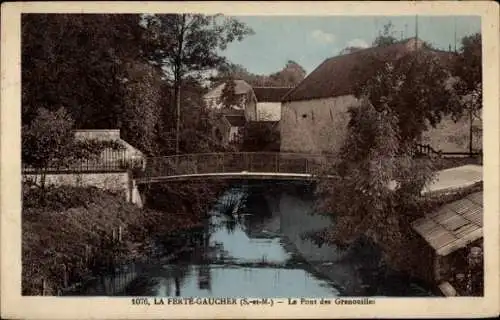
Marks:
<point>247,248</point>
<point>241,255</point>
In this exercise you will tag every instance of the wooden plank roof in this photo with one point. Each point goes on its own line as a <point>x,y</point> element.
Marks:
<point>454,225</point>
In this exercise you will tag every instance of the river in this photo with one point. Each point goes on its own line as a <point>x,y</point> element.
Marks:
<point>251,247</point>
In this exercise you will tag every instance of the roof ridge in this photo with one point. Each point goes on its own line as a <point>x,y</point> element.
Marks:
<point>301,82</point>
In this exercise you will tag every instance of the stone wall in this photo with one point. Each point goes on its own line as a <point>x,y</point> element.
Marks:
<point>319,125</point>
<point>119,182</point>
<point>315,126</point>
<point>453,136</point>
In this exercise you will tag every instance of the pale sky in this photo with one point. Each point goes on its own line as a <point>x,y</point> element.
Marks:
<point>310,40</point>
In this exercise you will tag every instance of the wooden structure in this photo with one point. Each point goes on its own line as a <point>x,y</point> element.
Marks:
<point>448,232</point>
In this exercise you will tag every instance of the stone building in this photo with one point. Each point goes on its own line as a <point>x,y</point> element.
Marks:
<point>314,114</point>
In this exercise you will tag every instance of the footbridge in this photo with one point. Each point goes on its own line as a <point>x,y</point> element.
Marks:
<point>234,165</point>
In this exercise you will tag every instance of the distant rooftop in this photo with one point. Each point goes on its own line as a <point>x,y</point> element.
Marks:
<point>240,87</point>
<point>270,94</point>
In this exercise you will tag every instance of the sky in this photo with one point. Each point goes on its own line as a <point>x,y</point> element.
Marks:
<point>310,40</point>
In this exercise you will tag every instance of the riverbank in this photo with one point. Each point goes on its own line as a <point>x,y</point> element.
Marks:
<point>72,232</point>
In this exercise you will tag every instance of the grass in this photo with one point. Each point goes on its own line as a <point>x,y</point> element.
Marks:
<point>77,229</point>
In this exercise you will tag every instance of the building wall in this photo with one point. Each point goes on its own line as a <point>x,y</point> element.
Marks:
<point>320,125</point>
<point>315,126</point>
<point>268,111</point>
<point>251,110</point>
<point>234,133</point>
<point>451,136</point>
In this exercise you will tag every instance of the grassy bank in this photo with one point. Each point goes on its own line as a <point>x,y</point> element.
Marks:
<point>71,232</point>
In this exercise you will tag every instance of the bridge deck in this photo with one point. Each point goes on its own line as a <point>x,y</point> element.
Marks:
<point>274,166</point>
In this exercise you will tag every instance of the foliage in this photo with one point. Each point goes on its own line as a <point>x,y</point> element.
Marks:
<point>415,87</point>
<point>468,67</point>
<point>291,75</point>
<point>187,46</point>
<point>108,71</point>
<point>383,180</point>
<point>49,142</point>
<point>229,98</point>
<point>387,37</point>
<point>141,112</point>
<point>94,66</point>
<point>260,136</point>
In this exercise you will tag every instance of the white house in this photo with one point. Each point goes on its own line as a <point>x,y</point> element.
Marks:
<point>257,104</point>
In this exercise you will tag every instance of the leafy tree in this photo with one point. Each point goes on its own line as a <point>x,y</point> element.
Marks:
<point>229,98</point>
<point>90,65</point>
<point>141,107</point>
<point>291,75</point>
<point>384,182</point>
<point>260,136</point>
<point>468,69</point>
<point>400,98</point>
<point>415,87</point>
<point>387,37</point>
<point>187,45</point>
<point>49,142</point>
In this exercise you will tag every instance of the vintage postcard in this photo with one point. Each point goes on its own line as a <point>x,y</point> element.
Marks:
<point>249,159</point>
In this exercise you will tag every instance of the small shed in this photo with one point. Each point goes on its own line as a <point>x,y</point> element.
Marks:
<point>450,232</point>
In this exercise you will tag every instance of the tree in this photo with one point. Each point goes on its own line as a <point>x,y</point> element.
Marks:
<point>260,136</point>
<point>387,37</point>
<point>400,97</point>
<point>229,98</point>
<point>291,75</point>
<point>415,87</point>
<point>188,45</point>
<point>384,182</point>
<point>49,142</point>
<point>94,66</point>
<point>468,69</point>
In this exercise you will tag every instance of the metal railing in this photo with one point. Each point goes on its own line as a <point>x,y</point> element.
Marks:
<point>426,150</point>
<point>107,161</point>
<point>236,162</point>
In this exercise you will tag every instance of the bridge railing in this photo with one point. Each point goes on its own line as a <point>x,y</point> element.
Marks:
<point>209,163</point>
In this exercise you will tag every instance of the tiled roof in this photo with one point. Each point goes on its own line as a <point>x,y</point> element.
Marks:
<point>270,94</point>
<point>338,76</point>
<point>454,225</point>
<point>236,121</point>
<point>241,87</point>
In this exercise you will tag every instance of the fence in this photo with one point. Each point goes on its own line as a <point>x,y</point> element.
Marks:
<point>264,162</point>
<point>427,150</point>
<point>108,161</point>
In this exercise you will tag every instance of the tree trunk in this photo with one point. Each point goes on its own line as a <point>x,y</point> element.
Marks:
<point>178,116</point>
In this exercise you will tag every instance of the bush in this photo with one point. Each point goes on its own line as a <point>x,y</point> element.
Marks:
<point>61,198</point>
